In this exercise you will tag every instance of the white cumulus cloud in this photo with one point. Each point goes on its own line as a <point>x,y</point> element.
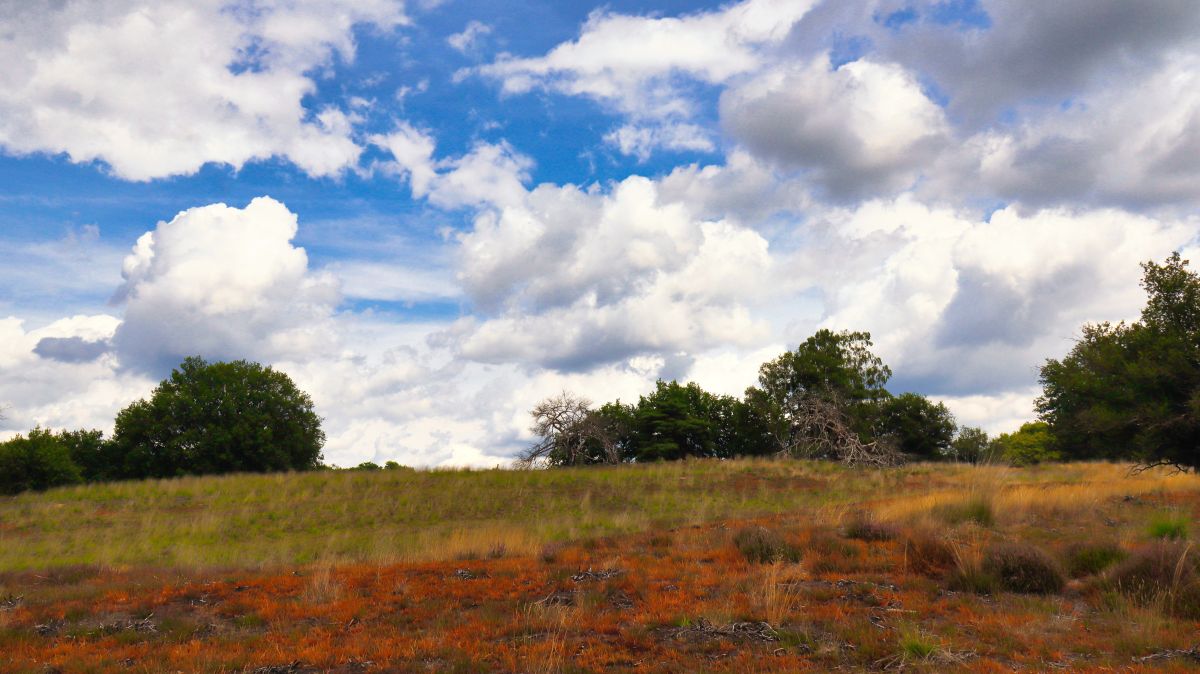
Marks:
<point>160,89</point>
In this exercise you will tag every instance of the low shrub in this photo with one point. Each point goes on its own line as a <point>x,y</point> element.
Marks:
<point>1088,559</point>
<point>1023,568</point>
<point>1169,527</point>
<point>826,552</point>
<point>926,554</point>
<point>551,552</point>
<point>863,527</point>
<point>1166,572</point>
<point>760,545</point>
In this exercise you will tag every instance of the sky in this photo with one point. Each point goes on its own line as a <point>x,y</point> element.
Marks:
<point>432,214</point>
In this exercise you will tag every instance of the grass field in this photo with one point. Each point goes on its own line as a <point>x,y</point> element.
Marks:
<point>694,566</point>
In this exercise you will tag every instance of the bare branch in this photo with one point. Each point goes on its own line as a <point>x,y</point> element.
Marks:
<point>818,428</point>
<point>567,427</point>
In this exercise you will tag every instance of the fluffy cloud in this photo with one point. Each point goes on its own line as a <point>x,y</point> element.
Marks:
<point>1036,52</point>
<point>226,283</point>
<point>1112,148</point>
<point>988,101</point>
<point>572,278</point>
<point>638,65</point>
<point>642,140</point>
<point>55,392</point>
<point>470,36</point>
<point>159,89</point>
<point>962,306</point>
<point>629,60</point>
<point>862,128</point>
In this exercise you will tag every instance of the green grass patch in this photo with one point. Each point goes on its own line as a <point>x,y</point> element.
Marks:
<point>1088,559</point>
<point>1168,527</point>
<point>977,509</point>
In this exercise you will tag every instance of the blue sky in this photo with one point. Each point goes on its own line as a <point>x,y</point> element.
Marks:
<point>467,206</point>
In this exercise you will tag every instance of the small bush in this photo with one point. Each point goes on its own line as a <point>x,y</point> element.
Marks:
<point>1169,527</point>
<point>760,545</point>
<point>1088,559</point>
<point>977,509</point>
<point>1023,568</point>
<point>863,528</point>
<point>551,552</point>
<point>1167,572</point>
<point>971,577</point>
<point>926,554</point>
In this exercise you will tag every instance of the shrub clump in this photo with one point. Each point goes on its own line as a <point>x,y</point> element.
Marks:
<point>760,545</point>
<point>926,554</point>
<point>1023,568</point>
<point>863,527</point>
<point>1167,572</point>
<point>1088,559</point>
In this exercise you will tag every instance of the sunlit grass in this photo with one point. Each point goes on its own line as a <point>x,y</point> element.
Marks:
<point>256,521</point>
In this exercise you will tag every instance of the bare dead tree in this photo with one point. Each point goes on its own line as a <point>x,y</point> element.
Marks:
<point>817,427</point>
<point>568,431</point>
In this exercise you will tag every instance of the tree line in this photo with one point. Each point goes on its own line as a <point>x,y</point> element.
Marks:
<point>826,399</point>
<point>1128,392</point>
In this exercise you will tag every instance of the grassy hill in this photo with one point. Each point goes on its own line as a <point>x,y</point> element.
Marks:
<point>694,566</point>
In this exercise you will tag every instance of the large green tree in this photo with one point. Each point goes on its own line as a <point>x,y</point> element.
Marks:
<point>683,420</point>
<point>830,370</point>
<point>219,418</point>
<point>921,428</point>
<point>1132,391</point>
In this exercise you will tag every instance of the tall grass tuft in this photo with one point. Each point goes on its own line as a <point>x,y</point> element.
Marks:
<point>977,509</point>
<point>1164,573</point>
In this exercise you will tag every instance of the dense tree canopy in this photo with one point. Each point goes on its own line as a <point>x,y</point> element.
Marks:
<point>1132,391</point>
<point>826,399</point>
<point>219,418</point>
<point>826,393</point>
<point>920,427</point>
<point>677,420</point>
<point>36,461</point>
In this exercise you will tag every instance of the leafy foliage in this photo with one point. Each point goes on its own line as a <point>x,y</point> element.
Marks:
<point>219,418</point>
<point>1133,391</point>
<point>971,445</point>
<point>826,399</point>
<point>92,453</point>
<point>921,428</point>
<point>677,421</point>
<point>1030,445</point>
<point>37,461</point>
<point>837,366</point>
